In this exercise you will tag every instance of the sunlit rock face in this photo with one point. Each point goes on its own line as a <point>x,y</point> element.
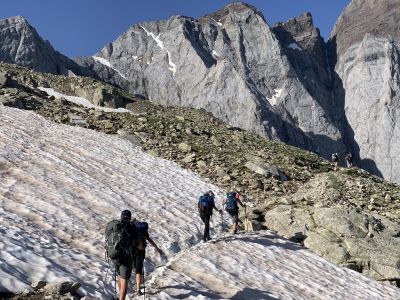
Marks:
<point>364,47</point>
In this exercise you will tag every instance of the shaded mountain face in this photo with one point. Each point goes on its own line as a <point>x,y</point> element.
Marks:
<point>232,64</point>
<point>365,50</point>
<point>21,44</point>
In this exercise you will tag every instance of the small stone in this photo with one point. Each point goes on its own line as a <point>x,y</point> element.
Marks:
<point>185,147</point>
<point>37,285</point>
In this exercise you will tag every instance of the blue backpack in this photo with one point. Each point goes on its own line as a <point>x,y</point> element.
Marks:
<point>231,203</point>
<point>206,204</point>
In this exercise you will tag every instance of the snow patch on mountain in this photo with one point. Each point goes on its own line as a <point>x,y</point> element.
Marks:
<point>108,64</point>
<point>81,101</point>
<point>274,99</point>
<point>295,46</point>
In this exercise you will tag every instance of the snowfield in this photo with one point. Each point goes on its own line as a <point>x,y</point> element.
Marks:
<point>60,185</point>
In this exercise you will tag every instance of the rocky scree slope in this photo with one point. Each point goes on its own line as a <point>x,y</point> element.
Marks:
<point>231,64</point>
<point>349,217</point>
<point>364,52</point>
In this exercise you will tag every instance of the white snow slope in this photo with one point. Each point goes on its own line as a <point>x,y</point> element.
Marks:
<point>60,185</point>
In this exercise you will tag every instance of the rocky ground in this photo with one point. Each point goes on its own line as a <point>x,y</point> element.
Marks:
<point>349,216</point>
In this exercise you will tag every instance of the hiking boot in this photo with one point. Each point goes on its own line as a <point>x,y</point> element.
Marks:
<point>139,293</point>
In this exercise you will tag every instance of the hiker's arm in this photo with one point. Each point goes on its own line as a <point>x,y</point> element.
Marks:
<point>241,203</point>
<point>150,240</point>
<point>218,210</point>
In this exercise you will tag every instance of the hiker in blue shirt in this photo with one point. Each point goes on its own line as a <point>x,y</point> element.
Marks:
<point>142,237</point>
<point>232,207</point>
<point>205,206</point>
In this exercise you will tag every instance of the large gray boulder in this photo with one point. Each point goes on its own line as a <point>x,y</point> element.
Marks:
<point>366,242</point>
<point>232,64</point>
<point>364,47</point>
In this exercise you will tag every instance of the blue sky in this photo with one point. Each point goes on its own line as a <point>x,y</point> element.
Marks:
<point>83,27</point>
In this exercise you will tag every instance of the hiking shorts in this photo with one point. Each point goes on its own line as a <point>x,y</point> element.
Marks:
<point>235,216</point>
<point>138,261</point>
<point>124,268</point>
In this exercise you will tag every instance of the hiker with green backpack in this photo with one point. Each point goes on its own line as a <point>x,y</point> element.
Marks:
<point>205,206</point>
<point>121,236</point>
<point>142,237</point>
<point>232,207</point>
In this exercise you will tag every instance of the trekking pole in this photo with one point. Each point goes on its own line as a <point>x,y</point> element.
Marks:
<point>144,284</point>
<point>115,282</point>
<point>246,220</point>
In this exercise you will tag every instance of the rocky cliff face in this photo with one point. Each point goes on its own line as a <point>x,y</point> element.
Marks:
<point>364,47</point>
<point>282,82</point>
<point>232,64</point>
<point>21,44</point>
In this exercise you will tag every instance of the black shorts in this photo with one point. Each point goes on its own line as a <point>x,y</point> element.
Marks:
<point>124,268</point>
<point>138,262</point>
<point>234,215</point>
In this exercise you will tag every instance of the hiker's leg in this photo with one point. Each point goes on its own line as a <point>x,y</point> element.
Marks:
<point>139,259</point>
<point>123,288</point>
<point>138,277</point>
<point>206,225</point>
<point>236,222</point>
<point>207,228</point>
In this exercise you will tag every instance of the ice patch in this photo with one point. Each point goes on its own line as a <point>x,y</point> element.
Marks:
<point>81,101</point>
<point>275,97</point>
<point>294,46</point>
<point>218,23</point>
<point>172,66</point>
<point>108,64</point>
<point>154,37</point>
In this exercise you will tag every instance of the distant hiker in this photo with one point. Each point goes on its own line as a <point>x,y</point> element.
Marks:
<point>335,161</point>
<point>205,206</point>
<point>120,248</point>
<point>232,207</point>
<point>349,160</point>
<point>142,229</point>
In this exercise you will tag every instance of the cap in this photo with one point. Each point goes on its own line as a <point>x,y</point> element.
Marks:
<point>126,215</point>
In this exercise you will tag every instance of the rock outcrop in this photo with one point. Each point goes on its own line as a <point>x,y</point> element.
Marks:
<point>231,64</point>
<point>22,45</point>
<point>365,52</point>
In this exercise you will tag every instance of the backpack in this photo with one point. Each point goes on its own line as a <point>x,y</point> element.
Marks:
<point>120,243</point>
<point>206,204</point>
<point>231,203</point>
<point>142,229</point>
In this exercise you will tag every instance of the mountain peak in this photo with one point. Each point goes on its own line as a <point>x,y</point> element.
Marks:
<point>15,20</point>
<point>234,8</point>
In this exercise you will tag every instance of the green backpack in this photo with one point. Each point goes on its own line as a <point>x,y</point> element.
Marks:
<point>120,239</point>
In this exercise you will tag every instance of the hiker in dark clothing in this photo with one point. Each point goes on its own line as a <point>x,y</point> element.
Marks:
<point>205,206</point>
<point>124,267</point>
<point>349,160</point>
<point>231,206</point>
<point>335,161</point>
<point>143,236</point>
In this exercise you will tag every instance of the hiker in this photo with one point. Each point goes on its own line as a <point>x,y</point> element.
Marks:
<point>142,229</point>
<point>120,238</point>
<point>231,206</point>
<point>335,161</point>
<point>205,206</point>
<point>349,160</point>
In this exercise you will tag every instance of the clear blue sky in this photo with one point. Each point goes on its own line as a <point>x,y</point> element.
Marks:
<point>83,27</point>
